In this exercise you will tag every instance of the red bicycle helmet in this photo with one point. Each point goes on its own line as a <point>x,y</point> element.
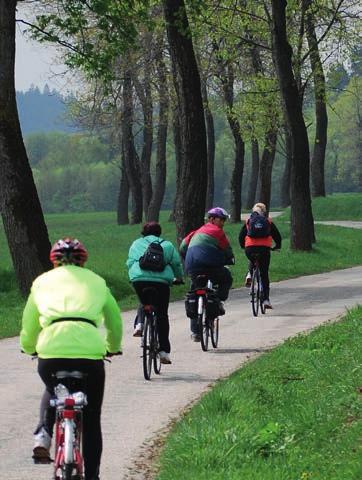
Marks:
<point>68,251</point>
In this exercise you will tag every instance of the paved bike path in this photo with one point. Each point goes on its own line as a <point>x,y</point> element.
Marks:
<point>135,410</point>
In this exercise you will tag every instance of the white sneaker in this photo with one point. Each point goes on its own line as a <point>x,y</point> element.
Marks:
<point>165,358</point>
<point>267,304</point>
<point>248,280</point>
<point>42,441</point>
<point>138,331</point>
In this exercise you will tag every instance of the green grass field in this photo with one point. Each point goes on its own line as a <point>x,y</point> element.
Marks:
<point>108,246</point>
<point>295,413</point>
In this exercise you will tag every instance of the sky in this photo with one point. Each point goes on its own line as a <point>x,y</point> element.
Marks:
<point>35,63</point>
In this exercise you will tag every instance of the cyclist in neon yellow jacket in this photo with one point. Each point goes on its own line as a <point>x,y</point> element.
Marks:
<point>60,324</point>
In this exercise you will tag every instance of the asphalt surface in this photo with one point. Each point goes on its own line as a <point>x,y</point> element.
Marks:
<point>135,410</point>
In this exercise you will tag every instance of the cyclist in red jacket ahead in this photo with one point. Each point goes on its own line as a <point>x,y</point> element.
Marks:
<point>207,251</point>
<point>256,236</point>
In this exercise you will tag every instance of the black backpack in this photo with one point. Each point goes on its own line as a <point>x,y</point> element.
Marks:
<point>153,258</point>
<point>258,226</point>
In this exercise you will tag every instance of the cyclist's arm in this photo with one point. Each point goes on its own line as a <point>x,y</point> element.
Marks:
<point>30,327</point>
<point>113,323</point>
<point>175,263</point>
<point>133,256</point>
<point>276,237</point>
<point>185,244</point>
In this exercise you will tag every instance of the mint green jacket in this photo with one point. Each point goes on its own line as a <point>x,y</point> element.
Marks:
<point>173,267</point>
<point>75,292</point>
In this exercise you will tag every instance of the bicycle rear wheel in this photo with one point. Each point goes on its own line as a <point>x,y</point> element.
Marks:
<point>147,348</point>
<point>202,324</point>
<point>67,472</point>
<point>156,349</point>
<point>255,292</point>
<point>214,331</point>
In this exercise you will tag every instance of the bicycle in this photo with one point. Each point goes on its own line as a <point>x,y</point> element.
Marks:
<point>150,343</point>
<point>69,400</point>
<point>207,319</point>
<point>256,288</point>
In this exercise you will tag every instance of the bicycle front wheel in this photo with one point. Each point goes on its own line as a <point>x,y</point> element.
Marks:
<point>255,292</point>
<point>214,331</point>
<point>147,348</point>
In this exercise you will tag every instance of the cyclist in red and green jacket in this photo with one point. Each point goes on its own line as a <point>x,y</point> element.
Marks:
<point>60,324</point>
<point>207,251</point>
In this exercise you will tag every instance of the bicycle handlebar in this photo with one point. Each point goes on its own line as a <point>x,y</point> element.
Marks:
<point>178,281</point>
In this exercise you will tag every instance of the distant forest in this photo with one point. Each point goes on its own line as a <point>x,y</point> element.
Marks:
<point>43,111</point>
<point>76,170</point>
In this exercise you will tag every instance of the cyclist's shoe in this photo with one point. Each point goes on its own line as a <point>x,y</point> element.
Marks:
<point>267,304</point>
<point>195,337</point>
<point>41,448</point>
<point>165,358</point>
<point>248,280</point>
<point>221,308</point>
<point>138,331</point>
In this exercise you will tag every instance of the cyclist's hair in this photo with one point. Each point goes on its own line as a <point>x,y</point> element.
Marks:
<point>259,208</point>
<point>151,228</point>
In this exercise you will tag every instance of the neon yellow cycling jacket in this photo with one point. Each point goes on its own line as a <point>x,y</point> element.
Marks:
<point>70,292</point>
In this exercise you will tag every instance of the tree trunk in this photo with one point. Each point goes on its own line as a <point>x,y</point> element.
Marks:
<point>144,93</point>
<point>192,180</point>
<point>227,78</point>
<point>266,168</point>
<point>123,196</point>
<point>177,146</point>
<point>285,181</point>
<point>23,220</point>
<point>210,133</point>
<point>153,212</point>
<point>320,142</point>
<point>253,182</point>
<point>302,228</point>
<point>130,156</point>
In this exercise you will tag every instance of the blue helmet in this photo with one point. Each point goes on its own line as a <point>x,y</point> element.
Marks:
<point>218,212</point>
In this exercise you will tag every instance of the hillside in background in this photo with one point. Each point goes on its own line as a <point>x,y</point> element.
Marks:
<point>43,111</point>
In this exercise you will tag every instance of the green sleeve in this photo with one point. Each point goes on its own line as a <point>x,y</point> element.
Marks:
<point>176,264</point>
<point>30,328</point>
<point>113,323</point>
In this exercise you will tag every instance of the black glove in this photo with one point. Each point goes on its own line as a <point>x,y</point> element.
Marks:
<point>109,354</point>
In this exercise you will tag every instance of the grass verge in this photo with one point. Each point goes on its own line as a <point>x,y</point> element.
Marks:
<point>108,246</point>
<point>295,413</point>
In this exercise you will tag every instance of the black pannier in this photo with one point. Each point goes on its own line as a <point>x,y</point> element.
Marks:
<point>212,305</point>
<point>191,304</point>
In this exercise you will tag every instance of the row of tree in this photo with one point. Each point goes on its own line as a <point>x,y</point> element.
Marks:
<point>260,58</point>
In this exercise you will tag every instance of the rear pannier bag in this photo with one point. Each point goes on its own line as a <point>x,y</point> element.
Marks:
<point>191,305</point>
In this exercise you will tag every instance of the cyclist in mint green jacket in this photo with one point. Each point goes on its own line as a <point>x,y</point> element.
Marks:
<point>159,280</point>
<point>60,324</point>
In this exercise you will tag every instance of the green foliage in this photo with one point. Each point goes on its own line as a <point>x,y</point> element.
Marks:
<point>343,160</point>
<point>96,32</point>
<point>73,173</point>
<point>294,413</point>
